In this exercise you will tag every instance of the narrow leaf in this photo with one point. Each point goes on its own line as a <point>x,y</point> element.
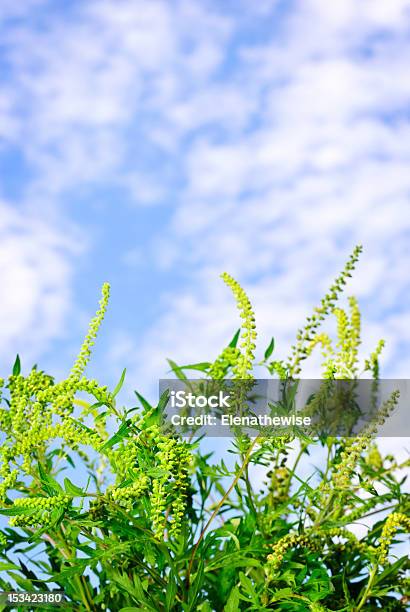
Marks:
<point>232,605</point>
<point>71,488</point>
<point>17,366</point>
<point>120,383</point>
<point>146,405</point>
<point>50,485</point>
<point>235,339</point>
<point>163,400</point>
<point>177,370</point>
<point>270,348</point>
<point>119,435</point>
<point>8,566</point>
<point>202,366</point>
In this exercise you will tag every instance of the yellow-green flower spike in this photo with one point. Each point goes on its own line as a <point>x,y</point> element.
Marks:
<point>306,334</point>
<point>245,360</point>
<point>227,359</point>
<point>394,521</point>
<point>351,454</point>
<point>372,364</point>
<point>85,351</point>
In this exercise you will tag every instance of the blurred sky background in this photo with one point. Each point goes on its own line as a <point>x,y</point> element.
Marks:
<point>157,144</point>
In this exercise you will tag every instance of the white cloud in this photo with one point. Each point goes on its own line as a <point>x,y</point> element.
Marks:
<point>326,166</point>
<point>279,153</point>
<point>35,283</point>
<point>76,84</point>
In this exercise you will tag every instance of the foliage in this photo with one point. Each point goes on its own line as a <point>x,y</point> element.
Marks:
<point>158,526</point>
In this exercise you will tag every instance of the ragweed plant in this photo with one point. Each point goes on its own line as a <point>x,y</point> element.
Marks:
<point>148,520</point>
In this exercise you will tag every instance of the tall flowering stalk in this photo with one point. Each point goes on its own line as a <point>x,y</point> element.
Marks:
<point>305,335</point>
<point>245,359</point>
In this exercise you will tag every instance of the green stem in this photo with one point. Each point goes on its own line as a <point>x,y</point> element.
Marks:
<point>368,588</point>
<point>80,580</point>
<point>220,504</point>
<point>302,449</point>
<point>249,489</point>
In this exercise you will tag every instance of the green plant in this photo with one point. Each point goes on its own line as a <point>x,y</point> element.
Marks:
<point>159,527</point>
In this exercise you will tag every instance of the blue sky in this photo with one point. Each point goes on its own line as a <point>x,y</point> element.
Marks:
<point>156,144</point>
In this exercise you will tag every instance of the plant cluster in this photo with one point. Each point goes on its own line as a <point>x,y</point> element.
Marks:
<point>159,526</point>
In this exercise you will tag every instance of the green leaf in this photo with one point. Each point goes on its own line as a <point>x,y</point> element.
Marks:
<point>177,370</point>
<point>246,584</point>
<point>146,405</point>
<point>30,574</point>
<point>391,569</point>
<point>235,559</point>
<point>50,485</point>
<point>71,488</point>
<point>195,586</point>
<point>24,583</point>
<point>119,435</point>
<point>17,366</point>
<point>170,595</point>
<point>80,566</point>
<point>235,339</point>
<point>8,566</point>
<point>319,585</point>
<point>269,350</point>
<point>282,594</point>
<point>14,510</point>
<point>232,605</point>
<point>82,426</point>
<point>134,588</point>
<point>57,516</point>
<point>156,472</point>
<point>202,366</point>
<point>163,401</point>
<point>205,606</point>
<point>120,383</point>
<point>100,416</point>
<point>346,588</point>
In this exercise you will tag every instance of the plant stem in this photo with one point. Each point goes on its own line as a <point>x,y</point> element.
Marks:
<point>303,447</point>
<point>80,580</point>
<point>368,588</point>
<point>220,504</point>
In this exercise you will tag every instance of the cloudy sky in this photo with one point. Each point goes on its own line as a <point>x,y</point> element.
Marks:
<point>156,144</point>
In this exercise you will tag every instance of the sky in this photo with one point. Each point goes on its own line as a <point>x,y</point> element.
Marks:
<point>155,144</point>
